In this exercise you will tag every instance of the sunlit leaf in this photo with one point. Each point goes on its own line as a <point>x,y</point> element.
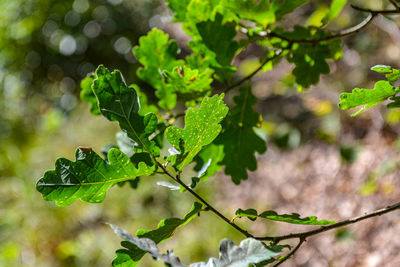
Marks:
<point>89,177</point>
<point>202,126</point>
<point>157,53</point>
<point>121,103</point>
<point>367,97</point>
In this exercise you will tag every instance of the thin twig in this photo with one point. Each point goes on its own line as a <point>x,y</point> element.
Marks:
<point>209,207</point>
<point>325,228</point>
<point>395,4</point>
<point>301,241</point>
<point>392,11</point>
<point>248,77</point>
<point>341,34</point>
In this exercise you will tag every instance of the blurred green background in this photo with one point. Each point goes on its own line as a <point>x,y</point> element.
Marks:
<point>48,46</point>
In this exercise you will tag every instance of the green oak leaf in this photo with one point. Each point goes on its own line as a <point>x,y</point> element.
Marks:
<point>120,103</point>
<point>334,10</point>
<point>391,74</point>
<point>293,218</point>
<point>130,255</point>
<point>88,95</point>
<point>239,140</point>
<point>215,42</point>
<point>201,128</point>
<point>191,84</point>
<point>89,177</point>
<point>179,8</point>
<point>263,12</point>
<point>157,53</point>
<point>310,59</point>
<point>368,97</point>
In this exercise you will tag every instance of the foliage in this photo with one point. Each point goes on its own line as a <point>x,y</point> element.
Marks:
<point>214,136</point>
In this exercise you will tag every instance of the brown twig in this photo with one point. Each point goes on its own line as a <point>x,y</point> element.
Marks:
<point>325,228</point>
<point>248,77</point>
<point>209,206</point>
<point>384,12</point>
<point>291,253</point>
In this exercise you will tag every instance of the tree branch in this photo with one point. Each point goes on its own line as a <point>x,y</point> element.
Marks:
<point>395,4</point>
<point>341,34</point>
<point>384,12</point>
<point>209,207</point>
<point>248,77</point>
<point>301,241</point>
<point>304,235</point>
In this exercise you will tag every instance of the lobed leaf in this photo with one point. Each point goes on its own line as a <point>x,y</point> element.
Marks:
<point>89,177</point>
<point>215,42</point>
<point>310,59</point>
<point>131,254</point>
<point>368,97</point>
<point>263,12</point>
<point>240,142</point>
<point>391,74</point>
<point>250,251</point>
<point>293,218</point>
<point>191,84</point>
<point>120,103</point>
<point>157,53</point>
<point>202,126</point>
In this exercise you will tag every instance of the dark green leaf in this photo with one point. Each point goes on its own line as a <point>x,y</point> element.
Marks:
<point>239,140</point>
<point>368,97</point>
<point>131,255</point>
<point>293,218</point>
<point>89,177</point>
<point>311,59</point>
<point>120,103</point>
<point>201,128</point>
<point>157,53</point>
<point>215,43</point>
<point>88,95</point>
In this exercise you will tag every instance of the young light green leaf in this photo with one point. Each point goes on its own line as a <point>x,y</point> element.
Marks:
<point>263,12</point>
<point>130,255</point>
<point>216,44</point>
<point>391,74</point>
<point>334,10</point>
<point>157,53</point>
<point>249,251</point>
<point>120,103</point>
<point>89,177</point>
<point>239,140</point>
<point>368,97</point>
<point>179,8</point>
<point>201,128</point>
<point>88,95</point>
<point>191,84</point>
<point>293,218</point>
